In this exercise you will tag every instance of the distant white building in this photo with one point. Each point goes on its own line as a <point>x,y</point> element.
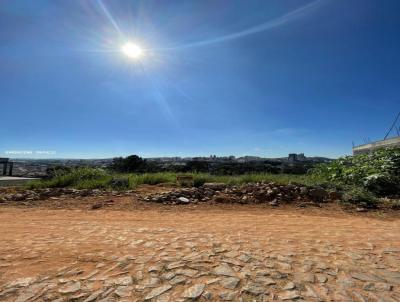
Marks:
<point>387,143</point>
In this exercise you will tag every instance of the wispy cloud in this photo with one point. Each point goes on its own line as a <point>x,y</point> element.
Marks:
<point>291,16</point>
<point>289,132</point>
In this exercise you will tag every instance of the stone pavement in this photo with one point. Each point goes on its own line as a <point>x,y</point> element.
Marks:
<point>50,255</point>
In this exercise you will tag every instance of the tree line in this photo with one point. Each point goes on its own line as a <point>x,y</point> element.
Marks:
<point>136,164</point>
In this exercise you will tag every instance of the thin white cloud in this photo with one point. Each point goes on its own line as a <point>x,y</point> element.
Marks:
<point>293,15</point>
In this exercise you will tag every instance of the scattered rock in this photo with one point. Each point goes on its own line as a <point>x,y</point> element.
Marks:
<point>289,285</point>
<point>230,282</point>
<point>186,272</point>
<point>254,288</point>
<point>183,200</point>
<point>318,194</point>
<point>123,291</point>
<point>70,288</point>
<point>157,291</point>
<point>366,277</point>
<point>380,286</point>
<point>22,282</point>
<point>207,295</point>
<point>248,193</point>
<point>224,270</point>
<point>93,296</point>
<point>194,291</point>
<point>214,186</point>
<point>227,296</point>
<point>26,296</point>
<point>177,280</point>
<point>289,295</point>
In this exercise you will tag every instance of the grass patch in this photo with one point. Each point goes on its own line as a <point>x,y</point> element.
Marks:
<point>150,178</point>
<point>80,178</point>
<point>89,178</point>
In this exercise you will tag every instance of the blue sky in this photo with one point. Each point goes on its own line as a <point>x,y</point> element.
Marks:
<point>217,77</point>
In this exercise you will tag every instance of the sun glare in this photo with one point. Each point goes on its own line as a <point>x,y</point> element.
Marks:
<point>132,50</point>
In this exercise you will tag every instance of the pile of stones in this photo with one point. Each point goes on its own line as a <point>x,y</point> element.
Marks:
<point>56,193</point>
<point>271,193</point>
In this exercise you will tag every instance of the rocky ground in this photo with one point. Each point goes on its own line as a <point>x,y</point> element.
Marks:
<point>272,193</point>
<point>124,248</point>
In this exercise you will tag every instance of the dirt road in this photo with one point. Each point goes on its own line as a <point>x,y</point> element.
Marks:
<point>215,254</point>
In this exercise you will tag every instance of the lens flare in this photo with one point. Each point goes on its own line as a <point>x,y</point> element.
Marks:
<point>132,50</point>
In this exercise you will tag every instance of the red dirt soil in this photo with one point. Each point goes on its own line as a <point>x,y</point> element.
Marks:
<point>320,250</point>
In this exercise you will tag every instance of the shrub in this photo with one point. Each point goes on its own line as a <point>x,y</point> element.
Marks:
<point>360,197</point>
<point>119,183</point>
<point>396,205</point>
<point>382,184</point>
<point>378,171</point>
<point>52,172</point>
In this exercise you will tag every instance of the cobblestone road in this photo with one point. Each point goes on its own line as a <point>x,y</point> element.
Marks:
<point>68,255</point>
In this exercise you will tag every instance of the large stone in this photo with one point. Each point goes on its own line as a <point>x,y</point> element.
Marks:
<point>186,272</point>
<point>163,298</point>
<point>70,288</point>
<point>168,276</point>
<point>224,270</point>
<point>304,277</point>
<point>230,282</point>
<point>177,280</point>
<point>183,200</point>
<point>157,291</point>
<point>289,295</point>
<point>93,296</point>
<point>174,265</point>
<point>318,194</point>
<point>366,277</point>
<point>390,276</point>
<point>322,278</point>
<point>379,286</point>
<point>26,296</point>
<point>244,257</point>
<point>123,281</point>
<point>21,282</point>
<point>227,296</point>
<point>254,288</point>
<point>265,280</point>
<point>123,291</point>
<point>151,282</point>
<point>289,285</point>
<point>194,291</point>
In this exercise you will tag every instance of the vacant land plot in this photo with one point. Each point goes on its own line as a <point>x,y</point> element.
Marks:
<point>210,253</point>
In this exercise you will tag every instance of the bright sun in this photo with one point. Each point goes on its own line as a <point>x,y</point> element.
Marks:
<point>132,50</point>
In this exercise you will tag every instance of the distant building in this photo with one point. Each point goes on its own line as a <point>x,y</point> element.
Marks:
<point>293,157</point>
<point>246,159</point>
<point>387,143</point>
<point>6,164</point>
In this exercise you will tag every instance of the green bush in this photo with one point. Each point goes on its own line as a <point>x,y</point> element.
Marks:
<point>396,205</point>
<point>119,183</point>
<point>360,197</point>
<point>378,171</point>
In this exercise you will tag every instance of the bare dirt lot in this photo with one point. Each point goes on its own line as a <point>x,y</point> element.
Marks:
<point>133,251</point>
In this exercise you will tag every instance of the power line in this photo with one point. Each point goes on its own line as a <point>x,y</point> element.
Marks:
<point>391,127</point>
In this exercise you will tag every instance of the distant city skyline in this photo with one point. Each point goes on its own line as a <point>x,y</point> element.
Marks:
<point>100,79</point>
